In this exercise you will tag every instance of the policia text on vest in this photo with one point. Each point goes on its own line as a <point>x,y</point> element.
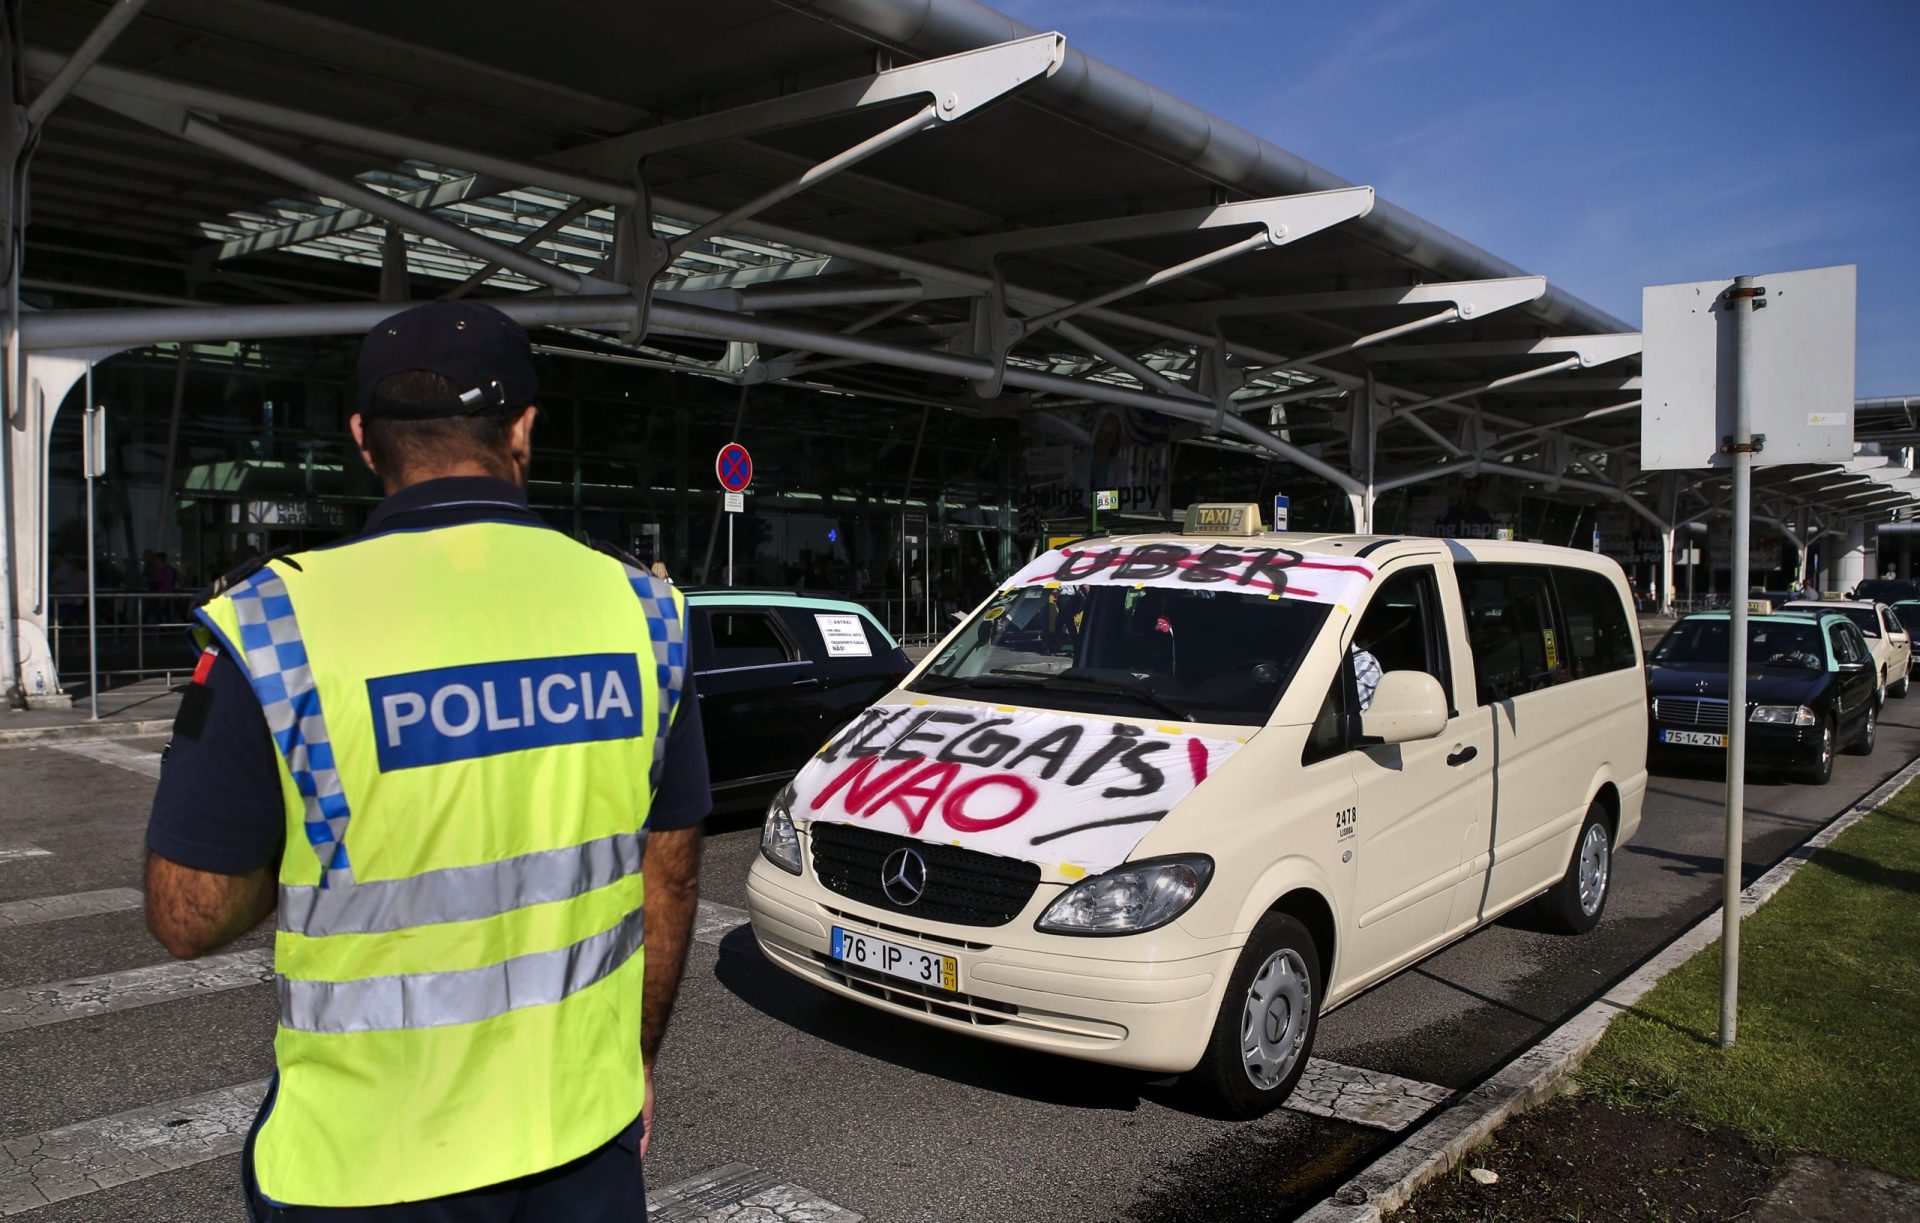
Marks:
<point>458,713</point>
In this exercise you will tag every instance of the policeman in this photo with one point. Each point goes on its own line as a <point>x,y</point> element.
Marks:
<point>460,752</point>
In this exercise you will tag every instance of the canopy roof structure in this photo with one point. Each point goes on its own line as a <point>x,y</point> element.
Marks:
<point>918,201</point>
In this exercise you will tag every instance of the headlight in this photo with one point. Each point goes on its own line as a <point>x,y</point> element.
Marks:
<point>779,842</point>
<point>1131,898</point>
<point>1783,715</point>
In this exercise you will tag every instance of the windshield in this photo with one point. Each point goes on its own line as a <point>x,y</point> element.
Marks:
<point>1864,618</point>
<point>1193,654</point>
<point>1769,644</point>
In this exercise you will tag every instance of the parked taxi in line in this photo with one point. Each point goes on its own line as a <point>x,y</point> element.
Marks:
<point>1812,689</point>
<point>1886,637</point>
<point>1165,799</point>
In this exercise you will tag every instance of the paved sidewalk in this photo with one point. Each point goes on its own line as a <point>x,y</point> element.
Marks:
<point>143,708</point>
<point>1817,1190</point>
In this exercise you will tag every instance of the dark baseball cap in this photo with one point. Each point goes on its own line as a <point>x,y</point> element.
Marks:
<point>482,352</point>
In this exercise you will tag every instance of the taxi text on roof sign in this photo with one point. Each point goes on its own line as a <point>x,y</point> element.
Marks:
<point>1225,518</point>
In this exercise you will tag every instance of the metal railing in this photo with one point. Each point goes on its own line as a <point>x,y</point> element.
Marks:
<point>141,634</point>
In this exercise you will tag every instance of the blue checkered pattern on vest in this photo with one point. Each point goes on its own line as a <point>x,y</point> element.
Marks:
<point>669,654</point>
<point>276,663</point>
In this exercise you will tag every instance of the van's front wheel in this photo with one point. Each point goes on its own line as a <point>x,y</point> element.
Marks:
<point>1264,1032</point>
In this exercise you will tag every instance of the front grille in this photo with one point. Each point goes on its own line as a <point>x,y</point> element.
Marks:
<point>1707,712</point>
<point>964,887</point>
<point>962,1008</point>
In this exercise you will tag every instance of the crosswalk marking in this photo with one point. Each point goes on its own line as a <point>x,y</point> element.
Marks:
<point>740,1192</point>
<point>1372,1098</point>
<point>36,1006</point>
<point>59,908</point>
<point>120,755</point>
<point>38,1169</point>
<point>13,853</point>
<point>714,921</point>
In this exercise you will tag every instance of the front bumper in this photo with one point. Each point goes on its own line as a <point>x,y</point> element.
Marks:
<point>1768,743</point>
<point>1145,1011</point>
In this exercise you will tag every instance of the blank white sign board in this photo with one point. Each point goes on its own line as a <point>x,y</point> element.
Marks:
<point>1800,367</point>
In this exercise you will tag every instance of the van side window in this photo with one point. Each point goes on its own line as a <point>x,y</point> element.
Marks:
<point>1403,630</point>
<point>1599,638</point>
<point>1511,629</point>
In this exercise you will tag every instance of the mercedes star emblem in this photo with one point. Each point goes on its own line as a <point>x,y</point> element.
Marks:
<point>903,876</point>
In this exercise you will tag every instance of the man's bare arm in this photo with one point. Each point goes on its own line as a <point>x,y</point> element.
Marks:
<point>193,912</point>
<point>672,868</point>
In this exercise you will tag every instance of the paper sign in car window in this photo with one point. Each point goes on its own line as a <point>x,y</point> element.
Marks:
<point>844,636</point>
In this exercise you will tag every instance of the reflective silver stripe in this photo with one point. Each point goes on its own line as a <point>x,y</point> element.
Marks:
<point>437,999</point>
<point>461,893</point>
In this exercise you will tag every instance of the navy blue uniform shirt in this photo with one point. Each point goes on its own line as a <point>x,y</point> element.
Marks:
<point>219,806</point>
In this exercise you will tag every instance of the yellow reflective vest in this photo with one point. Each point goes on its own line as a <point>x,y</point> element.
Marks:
<point>469,722</point>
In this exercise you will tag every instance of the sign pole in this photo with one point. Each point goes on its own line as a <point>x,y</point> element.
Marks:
<point>730,549</point>
<point>1740,300</point>
<point>95,463</point>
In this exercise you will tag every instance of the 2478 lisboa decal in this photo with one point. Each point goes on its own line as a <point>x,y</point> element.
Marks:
<point>1036,786</point>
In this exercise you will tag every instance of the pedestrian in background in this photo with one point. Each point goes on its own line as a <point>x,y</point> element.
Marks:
<point>459,753</point>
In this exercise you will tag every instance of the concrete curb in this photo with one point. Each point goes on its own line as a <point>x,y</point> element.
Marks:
<point>1540,1073</point>
<point>27,736</point>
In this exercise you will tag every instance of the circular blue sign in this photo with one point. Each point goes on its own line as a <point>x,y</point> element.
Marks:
<point>734,466</point>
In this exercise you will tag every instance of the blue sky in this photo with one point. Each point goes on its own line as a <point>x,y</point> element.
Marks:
<point>1605,146</point>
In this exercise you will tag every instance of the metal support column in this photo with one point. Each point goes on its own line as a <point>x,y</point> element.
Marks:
<point>1740,445</point>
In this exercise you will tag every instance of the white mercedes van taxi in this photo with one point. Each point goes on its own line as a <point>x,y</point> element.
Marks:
<point>1165,799</point>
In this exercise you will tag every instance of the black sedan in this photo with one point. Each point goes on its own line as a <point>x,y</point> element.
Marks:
<point>777,673</point>
<point>1810,688</point>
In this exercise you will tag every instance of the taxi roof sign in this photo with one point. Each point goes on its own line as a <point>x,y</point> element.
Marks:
<point>1222,518</point>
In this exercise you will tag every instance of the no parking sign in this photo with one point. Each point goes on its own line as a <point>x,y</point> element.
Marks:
<point>734,466</point>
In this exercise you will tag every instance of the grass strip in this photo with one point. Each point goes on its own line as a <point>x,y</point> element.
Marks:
<point>1828,1052</point>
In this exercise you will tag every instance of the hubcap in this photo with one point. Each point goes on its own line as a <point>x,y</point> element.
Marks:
<point>1826,743</point>
<point>1273,1023</point>
<point>1593,869</point>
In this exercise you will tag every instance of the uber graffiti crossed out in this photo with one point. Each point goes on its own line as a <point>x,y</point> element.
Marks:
<point>1280,572</point>
<point>483,709</point>
<point>1034,786</point>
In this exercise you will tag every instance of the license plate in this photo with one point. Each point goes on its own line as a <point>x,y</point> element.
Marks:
<point>1692,738</point>
<point>907,963</point>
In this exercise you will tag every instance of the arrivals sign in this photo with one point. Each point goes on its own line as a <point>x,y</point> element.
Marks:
<point>1074,795</point>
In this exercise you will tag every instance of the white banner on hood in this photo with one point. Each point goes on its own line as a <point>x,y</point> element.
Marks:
<point>1074,795</point>
<point>1276,572</point>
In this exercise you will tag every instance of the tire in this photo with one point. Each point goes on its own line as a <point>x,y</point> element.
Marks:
<point>1281,962</point>
<point>1815,772</point>
<point>1863,745</point>
<point>1899,691</point>
<point>1574,905</point>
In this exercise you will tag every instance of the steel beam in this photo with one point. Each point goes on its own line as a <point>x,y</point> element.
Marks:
<point>1473,298</point>
<point>957,85</point>
<point>84,56</point>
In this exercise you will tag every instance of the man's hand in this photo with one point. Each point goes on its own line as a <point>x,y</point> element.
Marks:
<point>646,1113</point>
<point>672,870</point>
<point>193,912</point>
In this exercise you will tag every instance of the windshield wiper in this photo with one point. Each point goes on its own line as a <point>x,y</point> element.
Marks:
<point>1139,692</point>
<point>1002,678</point>
<point>999,679</point>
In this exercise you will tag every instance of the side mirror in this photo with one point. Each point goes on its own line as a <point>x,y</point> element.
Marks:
<point>1407,705</point>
